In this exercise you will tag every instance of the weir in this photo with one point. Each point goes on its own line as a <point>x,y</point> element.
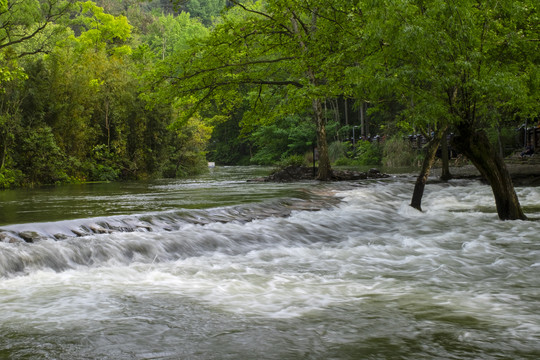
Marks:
<point>273,278</point>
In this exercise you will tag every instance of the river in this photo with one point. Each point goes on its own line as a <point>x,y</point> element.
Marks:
<point>219,268</point>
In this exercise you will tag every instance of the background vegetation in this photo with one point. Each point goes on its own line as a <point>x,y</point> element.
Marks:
<point>124,89</point>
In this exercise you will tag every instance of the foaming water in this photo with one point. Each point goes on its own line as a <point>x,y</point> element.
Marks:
<point>363,276</point>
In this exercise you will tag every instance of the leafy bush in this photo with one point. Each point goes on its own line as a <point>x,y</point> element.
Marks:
<point>364,153</point>
<point>338,150</point>
<point>398,152</point>
<point>104,173</point>
<point>40,159</point>
<point>10,178</point>
<point>104,165</point>
<point>288,136</point>
<point>368,153</point>
<point>292,160</point>
<point>345,161</point>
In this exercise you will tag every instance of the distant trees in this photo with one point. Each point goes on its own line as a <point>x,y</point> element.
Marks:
<point>137,89</point>
<point>71,106</point>
<point>275,56</point>
<point>27,27</point>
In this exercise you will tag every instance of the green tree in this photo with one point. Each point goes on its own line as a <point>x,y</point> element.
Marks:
<point>22,21</point>
<point>275,54</point>
<point>169,34</point>
<point>457,62</point>
<point>205,10</point>
<point>11,96</point>
<point>26,28</point>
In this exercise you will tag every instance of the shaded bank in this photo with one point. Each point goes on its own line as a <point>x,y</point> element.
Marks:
<point>301,173</point>
<point>522,174</point>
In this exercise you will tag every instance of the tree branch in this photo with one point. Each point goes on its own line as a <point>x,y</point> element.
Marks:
<point>52,14</point>
<point>216,85</point>
<point>255,62</point>
<point>237,3</point>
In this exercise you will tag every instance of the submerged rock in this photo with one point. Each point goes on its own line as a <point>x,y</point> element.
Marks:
<point>30,236</point>
<point>300,173</point>
<point>5,237</point>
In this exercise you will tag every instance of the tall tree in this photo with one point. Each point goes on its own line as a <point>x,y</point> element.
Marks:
<point>24,22</point>
<point>462,58</point>
<point>11,97</point>
<point>277,50</point>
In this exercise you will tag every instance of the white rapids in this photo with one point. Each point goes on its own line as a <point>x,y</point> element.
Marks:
<point>365,277</point>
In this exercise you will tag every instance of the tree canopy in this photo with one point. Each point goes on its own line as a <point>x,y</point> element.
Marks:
<point>118,90</point>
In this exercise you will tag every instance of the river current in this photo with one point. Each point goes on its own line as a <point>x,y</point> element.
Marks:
<point>220,268</point>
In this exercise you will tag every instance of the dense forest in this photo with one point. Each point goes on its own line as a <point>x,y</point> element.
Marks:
<point>128,89</point>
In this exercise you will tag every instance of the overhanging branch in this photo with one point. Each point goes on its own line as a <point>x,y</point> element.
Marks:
<point>209,70</point>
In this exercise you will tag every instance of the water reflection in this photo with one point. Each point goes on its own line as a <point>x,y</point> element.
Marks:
<point>218,187</point>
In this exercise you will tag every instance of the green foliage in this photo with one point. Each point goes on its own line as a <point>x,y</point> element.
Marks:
<point>369,153</point>
<point>167,34</point>
<point>398,152</point>
<point>40,158</point>
<point>338,150</point>
<point>77,114</point>
<point>188,155</point>
<point>287,136</point>
<point>362,154</point>
<point>292,160</point>
<point>10,70</point>
<point>227,146</point>
<point>10,178</point>
<point>206,10</point>
<point>143,90</point>
<point>105,165</point>
<point>102,30</point>
<point>478,64</point>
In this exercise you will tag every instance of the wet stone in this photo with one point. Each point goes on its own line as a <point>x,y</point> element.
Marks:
<point>96,229</point>
<point>61,236</point>
<point>30,236</point>
<point>79,232</point>
<point>7,238</point>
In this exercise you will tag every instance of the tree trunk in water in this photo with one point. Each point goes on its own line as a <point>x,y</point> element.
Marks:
<point>445,174</point>
<point>476,147</point>
<point>324,172</point>
<point>429,159</point>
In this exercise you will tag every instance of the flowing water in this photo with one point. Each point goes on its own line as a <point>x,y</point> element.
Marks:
<point>220,268</point>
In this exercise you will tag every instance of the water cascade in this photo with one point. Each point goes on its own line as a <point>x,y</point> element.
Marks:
<point>217,268</point>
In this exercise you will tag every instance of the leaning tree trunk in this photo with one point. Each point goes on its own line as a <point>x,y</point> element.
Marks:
<point>477,148</point>
<point>429,159</point>
<point>324,172</point>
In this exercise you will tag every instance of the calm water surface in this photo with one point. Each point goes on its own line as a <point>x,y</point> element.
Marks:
<point>220,268</point>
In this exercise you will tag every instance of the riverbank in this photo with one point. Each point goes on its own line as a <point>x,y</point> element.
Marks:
<point>523,174</point>
<point>301,173</point>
